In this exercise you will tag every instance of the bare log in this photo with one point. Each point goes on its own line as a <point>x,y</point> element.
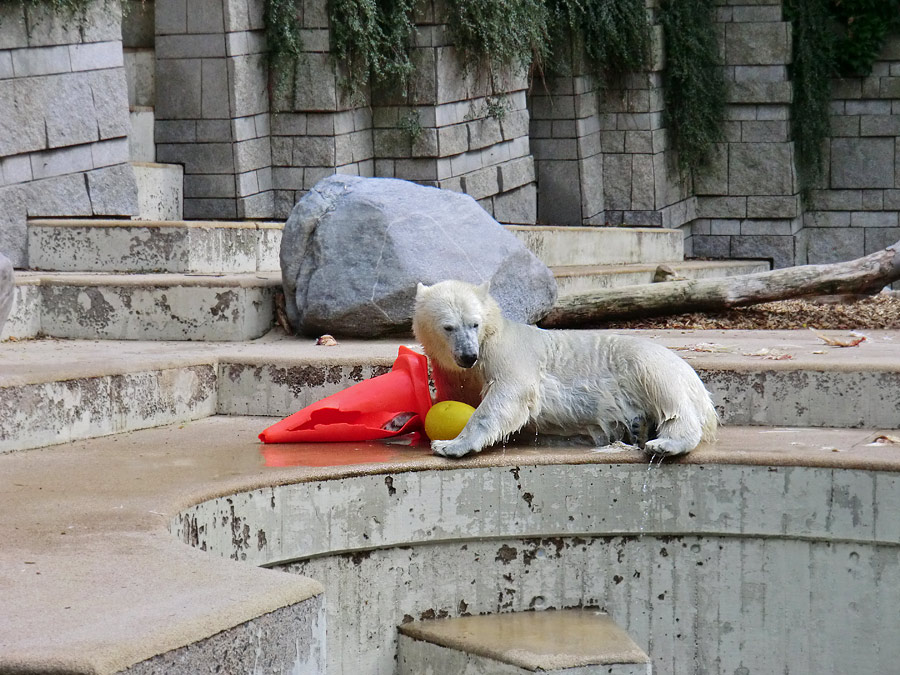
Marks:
<point>863,275</point>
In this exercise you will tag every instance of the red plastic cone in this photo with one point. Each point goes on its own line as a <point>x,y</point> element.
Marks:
<point>360,412</point>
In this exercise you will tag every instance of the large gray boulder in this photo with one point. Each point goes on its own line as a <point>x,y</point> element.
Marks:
<point>7,289</point>
<point>354,249</point>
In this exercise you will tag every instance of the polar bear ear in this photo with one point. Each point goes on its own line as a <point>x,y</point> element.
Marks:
<point>420,289</point>
<point>484,290</point>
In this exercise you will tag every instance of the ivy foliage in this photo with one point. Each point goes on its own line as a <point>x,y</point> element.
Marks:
<point>813,66</point>
<point>694,82</point>
<point>284,42</point>
<point>372,38</point>
<point>68,10</point>
<point>500,34</point>
<point>614,36</point>
<point>862,27</point>
<point>830,38</point>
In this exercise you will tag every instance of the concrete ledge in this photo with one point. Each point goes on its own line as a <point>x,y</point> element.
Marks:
<point>90,562</point>
<point>144,307</point>
<point>570,642</point>
<point>562,246</point>
<point>584,278</point>
<point>206,247</point>
<point>818,386</point>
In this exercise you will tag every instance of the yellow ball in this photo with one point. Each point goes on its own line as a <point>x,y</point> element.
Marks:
<point>446,419</point>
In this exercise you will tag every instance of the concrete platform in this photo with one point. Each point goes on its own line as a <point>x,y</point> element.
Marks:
<point>567,642</point>
<point>88,559</point>
<point>160,190</point>
<point>100,387</point>
<point>587,278</point>
<point>565,246</point>
<point>80,305</point>
<point>200,247</point>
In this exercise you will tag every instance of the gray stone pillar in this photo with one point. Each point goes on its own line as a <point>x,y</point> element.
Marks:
<point>565,142</point>
<point>472,133</point>
<point>748,204</point>
<point>63,119</point>
<point>317,130</point>
<point>212,106</point>
<point>856,209</point>
<point>641,185</point>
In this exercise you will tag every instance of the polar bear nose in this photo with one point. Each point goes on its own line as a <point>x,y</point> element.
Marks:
<point>467,359</point>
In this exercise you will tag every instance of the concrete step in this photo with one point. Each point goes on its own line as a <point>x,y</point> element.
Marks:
<point>114,554</point>
<point>55,391</point>
<point>143,307</point>
<point>751,381</point>
<point>586,278</point>
<point>566,246</point>
<point>563,641</point>
<point>160,191</point>
<point>203,247</point>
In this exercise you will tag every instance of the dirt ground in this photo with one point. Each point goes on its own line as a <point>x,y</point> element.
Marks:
<point>836,313</point>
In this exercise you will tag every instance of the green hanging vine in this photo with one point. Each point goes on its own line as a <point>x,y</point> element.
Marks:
<point>372,38</point>
<point>830,38</point>
<point>284,43</point>
<point>694,82</point>
<point>862,28</point>
<point>614,36</point>
<point>499,34</point>
<point>813,66</point>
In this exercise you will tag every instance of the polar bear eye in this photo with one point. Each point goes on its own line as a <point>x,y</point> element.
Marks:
<point>475,325</point>
<point>449,329</point>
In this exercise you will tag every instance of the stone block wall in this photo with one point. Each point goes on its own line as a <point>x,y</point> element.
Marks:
<point>212,105</point>
<point>317,129</point>
<point>565,151</point>
<point>565,130</point>
<point>471,130</point>
<point>63,120</point>
<point>748,202</point>
<point>855,211</point>
<point>601,151</point>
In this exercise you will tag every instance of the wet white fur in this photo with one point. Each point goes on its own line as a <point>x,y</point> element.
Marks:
<point>557,381</point>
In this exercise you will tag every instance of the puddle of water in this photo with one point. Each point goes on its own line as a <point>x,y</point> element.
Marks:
<point>328,454</point>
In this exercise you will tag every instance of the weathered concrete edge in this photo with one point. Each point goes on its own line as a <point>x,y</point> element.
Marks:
<point>290,639</point>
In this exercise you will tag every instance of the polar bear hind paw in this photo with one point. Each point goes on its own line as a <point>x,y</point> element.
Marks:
<point>668,446</point>
<point>450,449</point>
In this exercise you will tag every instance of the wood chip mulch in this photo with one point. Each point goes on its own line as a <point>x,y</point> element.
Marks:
<point>880,311</point>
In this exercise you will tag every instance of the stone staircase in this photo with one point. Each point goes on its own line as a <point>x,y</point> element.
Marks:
<point>208,280</point>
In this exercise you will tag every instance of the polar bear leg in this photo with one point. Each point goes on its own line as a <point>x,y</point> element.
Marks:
<point>504,410</point>
<point>677,435</point>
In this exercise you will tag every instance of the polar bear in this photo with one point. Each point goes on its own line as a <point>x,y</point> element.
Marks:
<point>565,382</point>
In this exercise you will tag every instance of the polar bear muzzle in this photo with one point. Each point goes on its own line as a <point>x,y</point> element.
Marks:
<point>464,346</point>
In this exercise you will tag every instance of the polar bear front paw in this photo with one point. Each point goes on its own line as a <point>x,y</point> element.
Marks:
<point>450,448</point>
<point>668,446</point>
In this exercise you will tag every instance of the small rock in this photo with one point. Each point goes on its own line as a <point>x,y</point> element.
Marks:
<point>354,249</point>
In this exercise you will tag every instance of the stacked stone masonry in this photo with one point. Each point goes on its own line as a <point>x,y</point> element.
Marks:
<point>748,202</point>
<point>457,128</point>
<point>63,119</point>
<point>212,108</point>
<point>565,150</point>
<point>855,211</point>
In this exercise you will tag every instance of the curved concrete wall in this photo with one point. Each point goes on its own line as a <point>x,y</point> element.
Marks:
<point>711,568</point>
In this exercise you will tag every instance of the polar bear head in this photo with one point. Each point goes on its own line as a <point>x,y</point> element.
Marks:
<point>452,319</point>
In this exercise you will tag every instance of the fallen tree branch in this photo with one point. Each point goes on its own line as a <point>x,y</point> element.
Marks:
<point>863,275</point>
